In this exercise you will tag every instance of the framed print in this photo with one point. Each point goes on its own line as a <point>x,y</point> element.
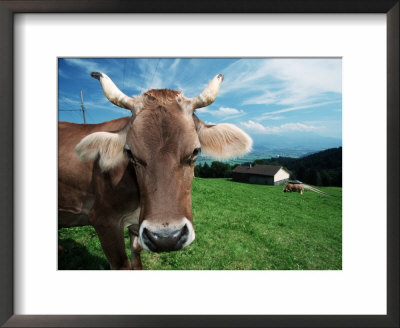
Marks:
<point>238,112</point>
<point>44,53</point>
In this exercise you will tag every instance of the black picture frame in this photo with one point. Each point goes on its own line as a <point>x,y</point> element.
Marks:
<point>7,11</point>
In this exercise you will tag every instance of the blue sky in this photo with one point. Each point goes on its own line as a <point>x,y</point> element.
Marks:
<point>262,96</point>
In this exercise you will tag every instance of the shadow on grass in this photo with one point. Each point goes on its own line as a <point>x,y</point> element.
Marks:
<point>74,256</point>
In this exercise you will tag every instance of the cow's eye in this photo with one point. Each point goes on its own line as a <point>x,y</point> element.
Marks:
<point>196,152</point>
<point>128,152</point>
<point>134,159</point>
<point>130,155</point>
<point>192,158</point>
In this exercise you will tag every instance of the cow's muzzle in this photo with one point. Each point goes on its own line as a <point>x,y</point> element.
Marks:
<point>165,239</point>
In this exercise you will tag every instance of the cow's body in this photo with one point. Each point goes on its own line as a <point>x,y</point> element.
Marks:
<point>76,184</point>
<point>137,171</point>
<point>88,196</point>
<point>294,188</point>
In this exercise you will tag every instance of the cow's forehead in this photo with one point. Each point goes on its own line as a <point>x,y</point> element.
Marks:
<point>162,95</point>
<point>163,123</point>
<point>160,112</point>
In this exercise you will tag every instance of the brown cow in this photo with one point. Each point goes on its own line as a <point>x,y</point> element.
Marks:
<point>136,172</point>
<point>294,188</point>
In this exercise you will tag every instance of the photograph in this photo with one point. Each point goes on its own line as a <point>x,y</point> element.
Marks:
<point>199,163</point>
<point>216,146</point>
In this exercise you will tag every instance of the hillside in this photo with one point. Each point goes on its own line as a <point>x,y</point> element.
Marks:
<point>326,159</point>
<point>321,169</point>
<point>238,227</point>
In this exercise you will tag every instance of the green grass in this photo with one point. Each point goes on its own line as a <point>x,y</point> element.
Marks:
<point>238,227</point>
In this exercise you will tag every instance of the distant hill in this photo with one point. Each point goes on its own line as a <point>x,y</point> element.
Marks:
<point>321,169</point>
<point>305,141</point>
<point>292,145</point>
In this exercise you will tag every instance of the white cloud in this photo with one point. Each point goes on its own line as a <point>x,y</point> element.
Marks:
<point>186,75</point>
<point>305,78</point>
<point>228,111</point>
<point>65,101</point>
<point>62,74</point>
<point>85,64</point>
<point>259,128</point>
<point>290,109</point>
<point>157,73</point>
<point>284,81</point>
<point>270,117</point>
<point>222,113</point>
<point>175,64</point>
<point>100,103</point>
<point>105,105</point>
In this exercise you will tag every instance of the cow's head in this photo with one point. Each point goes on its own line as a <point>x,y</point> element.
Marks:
<point>162,140</point>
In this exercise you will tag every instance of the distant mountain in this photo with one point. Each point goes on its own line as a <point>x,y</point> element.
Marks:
<point>306,142</point>
<point>292,145</point>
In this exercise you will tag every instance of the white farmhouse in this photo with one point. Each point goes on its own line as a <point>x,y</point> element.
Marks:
<point>261,174</point>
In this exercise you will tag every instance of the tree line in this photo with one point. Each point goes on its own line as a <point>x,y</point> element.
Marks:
<point>320,169</point>
<point>215,170</point>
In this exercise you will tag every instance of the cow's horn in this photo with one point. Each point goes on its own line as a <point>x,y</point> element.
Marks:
<point>209,94</point>
<point>113,94</point>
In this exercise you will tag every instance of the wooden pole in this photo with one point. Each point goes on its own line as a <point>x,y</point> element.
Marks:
<point>83,109</point>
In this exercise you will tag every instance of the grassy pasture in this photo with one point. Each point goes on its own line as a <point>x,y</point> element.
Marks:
<point>238,227</point>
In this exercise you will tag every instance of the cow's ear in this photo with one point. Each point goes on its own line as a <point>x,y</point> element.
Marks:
<point>222,141</point>
<point>108,146</point>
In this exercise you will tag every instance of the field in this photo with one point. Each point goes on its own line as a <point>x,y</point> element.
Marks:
<point>238,227</point>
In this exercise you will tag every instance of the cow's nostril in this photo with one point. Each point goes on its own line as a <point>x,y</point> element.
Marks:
<point>165,240</point>
<point>150,239</point>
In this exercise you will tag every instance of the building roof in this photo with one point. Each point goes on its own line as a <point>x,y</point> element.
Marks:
<point>269,170</point>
